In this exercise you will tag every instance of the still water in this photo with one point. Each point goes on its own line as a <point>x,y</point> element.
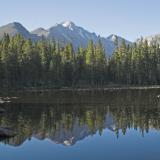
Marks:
<point>113,125</point>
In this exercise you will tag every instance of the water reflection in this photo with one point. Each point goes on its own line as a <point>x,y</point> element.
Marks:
<point>68,118</point>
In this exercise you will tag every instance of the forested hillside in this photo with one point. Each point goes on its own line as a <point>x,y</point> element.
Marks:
<point>24,63</point>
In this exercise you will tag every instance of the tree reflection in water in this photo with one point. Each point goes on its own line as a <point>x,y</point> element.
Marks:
<point>68,118</point>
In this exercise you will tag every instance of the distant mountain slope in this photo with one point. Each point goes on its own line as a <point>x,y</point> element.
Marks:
<point>13,29</point>
<point>40,32</point>
<point>64,33</point>
<point>68,32</point>
<point>113,38</point>
<point>153,39</point>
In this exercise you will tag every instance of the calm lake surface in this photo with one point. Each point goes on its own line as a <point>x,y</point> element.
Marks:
<point>113,125</point>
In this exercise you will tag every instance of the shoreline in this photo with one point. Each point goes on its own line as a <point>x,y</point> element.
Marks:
<point>104,88</point>
<point>55,96</point>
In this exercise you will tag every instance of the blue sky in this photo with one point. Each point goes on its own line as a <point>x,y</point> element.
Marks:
<point>128,18</point>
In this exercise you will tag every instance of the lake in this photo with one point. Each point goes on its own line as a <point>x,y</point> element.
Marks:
<point>112,124</point>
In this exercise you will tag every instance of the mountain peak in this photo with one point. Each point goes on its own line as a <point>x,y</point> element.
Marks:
<point>68,24</point>
<point>40,32</point>
<point>14,24</point>
<point>13,29</point>
<point>41,29</point>
<point>113,37</point>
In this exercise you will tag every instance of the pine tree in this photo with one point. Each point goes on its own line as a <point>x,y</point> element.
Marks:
<point>90,58</point>
<point>100,63</point>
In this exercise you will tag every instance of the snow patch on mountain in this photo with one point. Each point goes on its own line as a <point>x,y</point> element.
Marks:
<point>68,24</point>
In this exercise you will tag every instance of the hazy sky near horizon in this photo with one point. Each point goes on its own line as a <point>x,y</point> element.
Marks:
<point>127,18</point>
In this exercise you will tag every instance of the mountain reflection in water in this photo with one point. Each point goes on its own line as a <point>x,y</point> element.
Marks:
<point>81,115</point>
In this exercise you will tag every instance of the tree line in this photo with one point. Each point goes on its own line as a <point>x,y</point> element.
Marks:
<point>24,63</point>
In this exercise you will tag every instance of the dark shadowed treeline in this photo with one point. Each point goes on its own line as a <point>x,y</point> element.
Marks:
<point>24,63</point>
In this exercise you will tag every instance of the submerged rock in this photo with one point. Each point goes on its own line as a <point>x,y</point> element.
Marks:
<point>158,96</point>
<point>5,100</point>
<point>1,101</point>
<point>6,132</point>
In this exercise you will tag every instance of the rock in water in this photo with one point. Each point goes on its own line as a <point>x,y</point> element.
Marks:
<point>158,96</point>
<point>1,101</point>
